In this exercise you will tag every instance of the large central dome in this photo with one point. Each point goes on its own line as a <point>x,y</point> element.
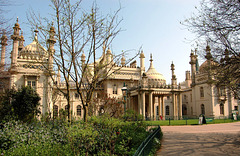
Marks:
<point>154,77</point>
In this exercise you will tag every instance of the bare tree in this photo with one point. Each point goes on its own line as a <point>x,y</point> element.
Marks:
<point>79,31</point>
<point>218,22</point>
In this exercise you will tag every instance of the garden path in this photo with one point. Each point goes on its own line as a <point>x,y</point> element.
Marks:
<point>201,140</point>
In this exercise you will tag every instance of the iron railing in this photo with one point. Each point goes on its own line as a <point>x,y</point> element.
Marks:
<point>148,144</point>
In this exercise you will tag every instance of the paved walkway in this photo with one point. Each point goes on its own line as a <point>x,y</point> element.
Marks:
<point>201,140</point>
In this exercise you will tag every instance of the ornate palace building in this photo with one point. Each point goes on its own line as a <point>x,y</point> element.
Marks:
<point>147,91</point>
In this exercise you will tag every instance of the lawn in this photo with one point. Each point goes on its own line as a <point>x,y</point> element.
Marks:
<point>185,122</point>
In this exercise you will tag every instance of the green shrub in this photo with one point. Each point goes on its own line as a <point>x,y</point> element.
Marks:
<point>99,136</point>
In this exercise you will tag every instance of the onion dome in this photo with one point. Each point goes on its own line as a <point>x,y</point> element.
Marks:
<point>154,77</point>
<point>109,51</point>
<point>142,55</point>
<point>33,50</point>
<point>205,66</point>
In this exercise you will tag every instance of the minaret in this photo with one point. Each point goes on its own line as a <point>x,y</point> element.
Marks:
<point>188,79</point>
<point>3,52</point>
<point>174,79</point>
<point>209,60</point>
<point>123,61</point>
<point>51,41</point>
<point>15,37</point>
<point>193,59</point>
<point>83,57</point>
<point>151,61</point>
<point>109,56</point>
<point>142,63</point>
<point>21,42</point>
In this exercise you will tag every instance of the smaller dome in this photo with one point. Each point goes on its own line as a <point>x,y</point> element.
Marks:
<point>204,66</point>
<point>109,51</point>
<point>142,55</point>
<point>33,47</point>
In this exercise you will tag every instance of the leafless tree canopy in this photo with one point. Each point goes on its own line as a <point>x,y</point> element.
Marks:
<point>218,22</point>
<point>80,32</point>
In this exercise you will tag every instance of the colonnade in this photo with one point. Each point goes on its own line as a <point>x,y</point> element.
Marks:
<point>147,98</point>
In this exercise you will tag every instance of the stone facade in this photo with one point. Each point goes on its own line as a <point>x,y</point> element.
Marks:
<point>147,91</point>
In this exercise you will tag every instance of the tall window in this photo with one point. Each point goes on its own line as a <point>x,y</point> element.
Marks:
<point>221,109</point>
<point>202,109</point>
<point>79,110</point>
<point>201,92</point>
<point>167,110</point>
<point>114,89</point>
<point>222,91</point>
<point>32,84</point>
<point>157,111</point>
<point>55,111</point>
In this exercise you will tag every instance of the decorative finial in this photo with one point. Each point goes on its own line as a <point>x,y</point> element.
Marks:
<point>151,57</point>
<point>17,19</point>
<point>36,31</point>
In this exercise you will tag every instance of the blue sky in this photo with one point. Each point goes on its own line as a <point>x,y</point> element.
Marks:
<point>152,24</point>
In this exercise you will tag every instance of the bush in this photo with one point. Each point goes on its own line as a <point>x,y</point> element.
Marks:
<point>101,135</point>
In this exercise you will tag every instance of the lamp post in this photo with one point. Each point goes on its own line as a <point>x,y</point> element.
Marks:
<point>124,92</point>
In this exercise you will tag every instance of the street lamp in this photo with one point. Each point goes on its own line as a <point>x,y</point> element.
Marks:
<point>124,92</point>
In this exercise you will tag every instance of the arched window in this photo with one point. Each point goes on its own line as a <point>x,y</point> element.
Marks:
<point>167,110</point>
<point>55,111</point>
<point>201,92</point>
<point>79,110</point>
<point>221,109</point>
<point>202,109</point>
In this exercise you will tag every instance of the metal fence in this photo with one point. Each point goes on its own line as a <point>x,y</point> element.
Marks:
<point>149,143</point>
<point>185,120</point>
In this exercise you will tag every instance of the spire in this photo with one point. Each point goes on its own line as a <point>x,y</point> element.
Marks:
<point>174,79</point>
<point>109,51</point>
<point>51,41</point>
<point>16,28</point>
<point>35,36</point>
<point>142,54</point>
<point>151,61</point>
<point>15,37</point>
<point>197,64</point>
<point>83,57</point>
<point>21,42</point>
<point>142,63</point>
<point>123,60</point>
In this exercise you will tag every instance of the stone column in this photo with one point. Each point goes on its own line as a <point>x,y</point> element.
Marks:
<point>176,106</point>
<point>139,103</point>
<point>180,106</point>
<point>163,108</point>
<point>150,105</point>
<point>143,104</point>
<point>154,109</point>
<point>173,105</point>
<point>159,107</point>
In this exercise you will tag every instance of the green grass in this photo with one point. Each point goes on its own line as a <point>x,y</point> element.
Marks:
<point>185,122</point>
